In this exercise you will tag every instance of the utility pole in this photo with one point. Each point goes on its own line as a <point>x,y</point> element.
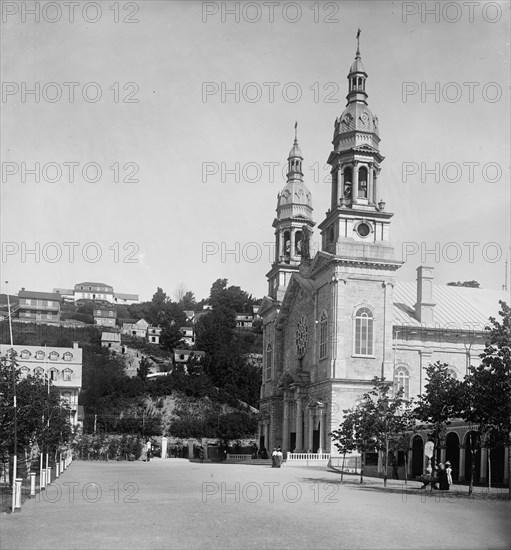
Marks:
<point>15,457</point>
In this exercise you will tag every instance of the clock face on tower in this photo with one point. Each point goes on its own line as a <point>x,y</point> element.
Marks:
<point>302,330</point>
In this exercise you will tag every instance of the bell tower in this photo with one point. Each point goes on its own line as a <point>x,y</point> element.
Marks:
<point>356,223</point>
<point>293,225</point>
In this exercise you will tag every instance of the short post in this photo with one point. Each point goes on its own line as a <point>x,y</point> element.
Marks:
<point>62,466</point>
<point>32,484</point>
<point>57,469</point>
<point>42,479</point>
<point>164,447</point>
<point>41,471</point>
<point>17,495</point>
<point>48,475</point>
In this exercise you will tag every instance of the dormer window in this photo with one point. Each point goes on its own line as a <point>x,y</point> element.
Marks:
<point>53,356</point>
<point>39,355</point>
<point>67,356</point>
<point>25,354</point>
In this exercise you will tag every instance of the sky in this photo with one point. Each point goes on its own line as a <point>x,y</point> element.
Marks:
<point>158,132</point>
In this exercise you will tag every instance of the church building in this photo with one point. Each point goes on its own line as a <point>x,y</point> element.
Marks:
<point>333,322</point>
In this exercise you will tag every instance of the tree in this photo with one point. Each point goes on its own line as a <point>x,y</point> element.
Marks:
<point>487,390</point>
<point>344,437</point>
<point>236,425</point>
<point>171,335</point>
<point>188,301</point>
<point>374,422</point>
<point>440,402</point>
<point>143,369</point>
<point>42,416</point>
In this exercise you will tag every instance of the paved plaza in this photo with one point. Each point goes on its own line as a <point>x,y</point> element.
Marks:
<point>180,504</point>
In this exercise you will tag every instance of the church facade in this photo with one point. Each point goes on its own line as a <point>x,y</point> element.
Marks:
<point>333,322</point>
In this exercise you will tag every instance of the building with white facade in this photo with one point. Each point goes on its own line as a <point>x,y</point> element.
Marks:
<point>62,366</point>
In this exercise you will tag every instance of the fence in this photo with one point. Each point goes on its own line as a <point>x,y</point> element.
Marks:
<point>34,482</point>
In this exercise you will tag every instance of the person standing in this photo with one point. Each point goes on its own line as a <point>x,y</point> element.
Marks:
<point>442,477</point>
<point>280,457</point>
<point>274,459</point>
<point>448,471</point>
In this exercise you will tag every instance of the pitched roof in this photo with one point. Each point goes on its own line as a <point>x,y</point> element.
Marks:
<point>110,337</point>
<point>39,295</point>
<point>88,283</point>
<point>455,307</point>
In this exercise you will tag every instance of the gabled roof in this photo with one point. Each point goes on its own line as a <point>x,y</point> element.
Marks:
<point>268,304</point>
<point>39,295</point>
<point>455,307</point>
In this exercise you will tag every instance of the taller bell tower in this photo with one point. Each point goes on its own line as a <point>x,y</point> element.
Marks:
<point>293,225</point>
<point>356,223</point>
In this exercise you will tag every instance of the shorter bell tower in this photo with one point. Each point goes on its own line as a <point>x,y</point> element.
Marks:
<point>293,225</point>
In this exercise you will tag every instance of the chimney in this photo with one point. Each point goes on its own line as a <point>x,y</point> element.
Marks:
<point>425,305</point>
<point>75,345</point>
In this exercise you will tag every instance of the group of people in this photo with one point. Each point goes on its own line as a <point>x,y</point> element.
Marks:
<point>277,457</point>
<point>440,477</point>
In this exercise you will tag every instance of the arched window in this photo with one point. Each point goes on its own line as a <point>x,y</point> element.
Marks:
<point>402,380</point>
<point>269,360</point>
<point>54,374</point>
<point>348,179</point>
<point>364,332</point>
<point>362,182</point>
<point>298,243</point>
<point>24,371</point>
<point>287,246</point>
<point>323,336</point>
<point>67,374</point>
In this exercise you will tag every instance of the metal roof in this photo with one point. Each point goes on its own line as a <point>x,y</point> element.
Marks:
<point>455,307</point>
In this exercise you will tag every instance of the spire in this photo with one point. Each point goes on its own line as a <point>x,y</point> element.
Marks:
<point>295,158</point>
<point>357,78</point>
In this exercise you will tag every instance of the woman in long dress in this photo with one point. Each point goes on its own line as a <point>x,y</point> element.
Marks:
<point>448,471</point>
<point>274,459</point>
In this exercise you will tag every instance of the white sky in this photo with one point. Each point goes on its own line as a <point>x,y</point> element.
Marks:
<point>170,213</point>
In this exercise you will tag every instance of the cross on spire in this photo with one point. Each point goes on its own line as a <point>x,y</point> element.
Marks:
<point>358,41</point>
<point>296,131</point>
